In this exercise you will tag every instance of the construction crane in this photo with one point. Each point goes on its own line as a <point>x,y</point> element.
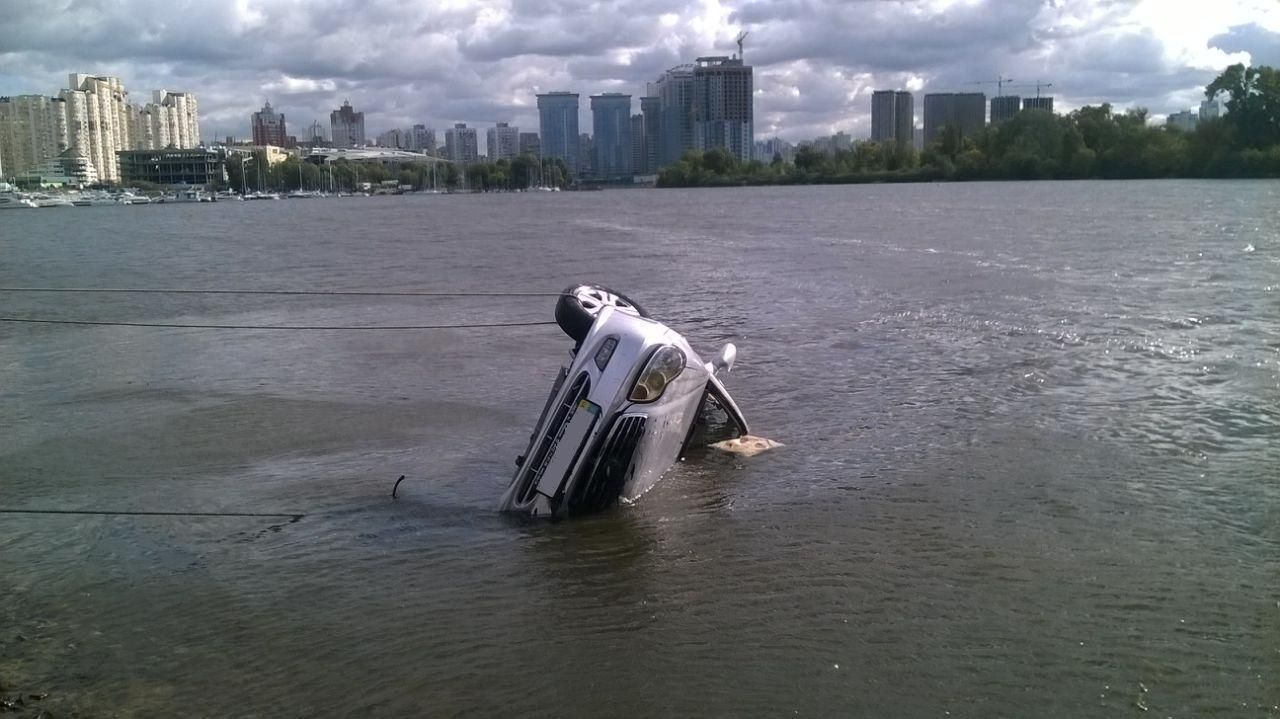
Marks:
<point>999,82</point>
<point>741,36</point>
<point>1037,85</point>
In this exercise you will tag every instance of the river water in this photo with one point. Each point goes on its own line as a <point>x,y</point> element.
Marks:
<point>1031,462</point>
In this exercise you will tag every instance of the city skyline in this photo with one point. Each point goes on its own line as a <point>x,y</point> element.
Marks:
<point>816,62</point>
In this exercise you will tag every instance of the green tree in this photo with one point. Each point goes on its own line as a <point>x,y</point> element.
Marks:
<point>868,157</point>
<point>1253,103</point>
<point>809,159</point>
<point>718,161</point>
<point>949,141</point>
<point>1096,126</point>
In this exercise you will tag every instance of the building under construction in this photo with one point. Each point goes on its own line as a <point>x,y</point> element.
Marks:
<point>173,167</point>
<point>966,111</point>
<point>722,106</point>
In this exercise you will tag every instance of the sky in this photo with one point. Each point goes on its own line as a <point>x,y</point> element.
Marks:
<point>437,62</point>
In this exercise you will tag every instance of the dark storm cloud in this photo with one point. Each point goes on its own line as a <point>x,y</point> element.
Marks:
<point>478,61</point>
<point>889,36</point>
<point>1262,45</point>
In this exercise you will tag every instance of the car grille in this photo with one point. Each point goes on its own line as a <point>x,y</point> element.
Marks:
<point>551,437</point>
<point>612,466</point>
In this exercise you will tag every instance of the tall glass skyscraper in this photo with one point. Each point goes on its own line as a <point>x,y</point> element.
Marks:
<point>558,126</point>
<point>675,97</point>
<point>611,127</point>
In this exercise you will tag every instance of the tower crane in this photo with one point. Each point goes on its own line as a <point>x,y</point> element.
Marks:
<point>741,36</point>
<point>1037,85</point>
<point>999,82</point>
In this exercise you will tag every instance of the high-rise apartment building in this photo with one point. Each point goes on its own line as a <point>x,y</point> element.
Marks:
<point>1211,109</point>
<point>1037,103</point>
<point>611,126</point>
<point>723,106</point>
<point>529,144</point>
<point>904,118</point>
<point>88,124</point>
<point>98,120</point>
<point>33,131</point>
<point>892,116</point>
<point>348,126</point>
<point>966,111</point>
<point>170,121</point>
<point>178,113</point>
<point>315,135</point>
<point>651,109</point>
<point>392,138</point>
<point>882,116</point>
<point>1004,107</point>
<point>767,150</point>
<point>503,142</point>
<point>421,138</point>
<point>675,96</point>
<point>558,127</point>
<point>638,144</point>
<point>268,127</point>
<point>462,144</point>
<point>1185,120</point>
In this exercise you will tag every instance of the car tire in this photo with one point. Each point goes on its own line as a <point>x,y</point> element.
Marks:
<point>578,306</point>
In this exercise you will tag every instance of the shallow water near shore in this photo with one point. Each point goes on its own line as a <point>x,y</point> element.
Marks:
<point>1031,461</point>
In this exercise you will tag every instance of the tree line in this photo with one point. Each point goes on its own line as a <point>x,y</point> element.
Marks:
<point>1092,142</point>
<point>253,173</point>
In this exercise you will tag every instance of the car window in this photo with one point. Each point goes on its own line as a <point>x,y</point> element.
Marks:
<point>715,422</point>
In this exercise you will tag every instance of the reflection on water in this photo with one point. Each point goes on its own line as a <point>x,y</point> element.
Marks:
<point>1029,465</point>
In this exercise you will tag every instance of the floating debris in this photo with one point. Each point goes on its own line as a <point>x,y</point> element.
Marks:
<point>747,445</point>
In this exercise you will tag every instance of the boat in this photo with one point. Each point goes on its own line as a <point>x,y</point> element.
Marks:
<point>94,199</point>
<point>186,196</point>
<point>14,201</point>
<point>51,201</point>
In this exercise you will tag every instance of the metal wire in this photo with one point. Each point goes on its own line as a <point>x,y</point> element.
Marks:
<point>127,513</point>
<point>173,325</point>
<point>335,293</point>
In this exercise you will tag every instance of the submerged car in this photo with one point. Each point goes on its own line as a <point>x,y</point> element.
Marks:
<point>631,398</point>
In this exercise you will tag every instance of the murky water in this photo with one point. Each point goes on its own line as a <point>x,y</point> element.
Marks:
<point>1032,462</point>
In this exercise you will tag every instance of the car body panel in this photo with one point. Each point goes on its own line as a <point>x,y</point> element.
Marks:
<point>593,445</point>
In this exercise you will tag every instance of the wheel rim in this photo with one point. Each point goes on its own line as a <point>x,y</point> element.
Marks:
<point>594,299</point>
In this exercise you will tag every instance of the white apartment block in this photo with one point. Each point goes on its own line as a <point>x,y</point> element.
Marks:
<point>175,116</point>
<point>107,117</point>
<point>92,119</point>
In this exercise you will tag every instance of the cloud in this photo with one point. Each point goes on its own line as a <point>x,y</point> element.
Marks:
<point>1262,45</point>
<point>438,62</point>
<point>287,85</point>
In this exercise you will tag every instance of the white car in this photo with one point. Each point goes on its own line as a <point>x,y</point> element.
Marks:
<point>633,395</point>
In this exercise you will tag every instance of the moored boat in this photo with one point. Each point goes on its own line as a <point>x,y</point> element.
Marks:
<point>14,201</point>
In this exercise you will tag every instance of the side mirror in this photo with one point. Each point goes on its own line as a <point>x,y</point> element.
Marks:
<point>725,361</point>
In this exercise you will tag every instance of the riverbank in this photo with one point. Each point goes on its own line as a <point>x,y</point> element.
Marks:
<point>1092,143</point>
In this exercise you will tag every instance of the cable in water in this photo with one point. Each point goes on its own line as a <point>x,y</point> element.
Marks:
<point>174,325</point>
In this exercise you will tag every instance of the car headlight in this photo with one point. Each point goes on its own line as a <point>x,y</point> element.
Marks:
<point>664,366</point>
